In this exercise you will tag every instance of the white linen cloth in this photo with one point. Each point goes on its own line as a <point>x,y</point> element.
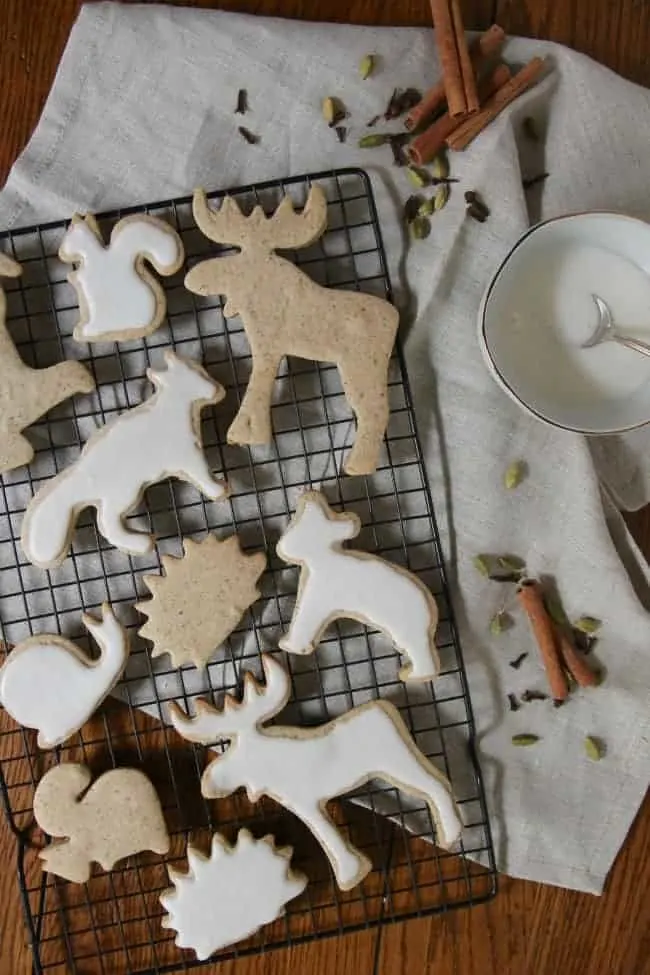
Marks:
<point>142,109</point>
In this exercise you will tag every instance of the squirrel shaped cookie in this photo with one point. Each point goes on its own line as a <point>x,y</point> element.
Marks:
<point>119,815</point>
<point>25,393</point>
<point>118,298</point>
<point>303,768</point>
<point>255,877</point>
<point>47,683</point>
<point>285,313</point>
<point>338,583</point>
<point>157,439</point>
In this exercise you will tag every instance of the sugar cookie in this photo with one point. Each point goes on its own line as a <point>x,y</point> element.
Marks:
<point>229,895</point>
<point>200,599</point>
<point>25,393</point>
<point>303,768</point>
<point>47,683</point>
<point>285,313</point>
<point>119,815</point>
<point>119,298</point>
<point>338,583</point>
<point>157,439</point>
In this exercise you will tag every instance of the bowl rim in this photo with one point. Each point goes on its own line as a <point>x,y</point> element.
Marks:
<point>493,368</point>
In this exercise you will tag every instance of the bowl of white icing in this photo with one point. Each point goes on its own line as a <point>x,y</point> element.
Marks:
<point>539,309</point>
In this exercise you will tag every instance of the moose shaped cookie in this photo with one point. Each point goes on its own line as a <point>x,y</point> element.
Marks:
<point>26,393</point>
<point>285,313</point>
<point>118,297</point>
<point>119,815</point>
<point>303,768</point>
<point>49,684</point>
<point>337,583</point>
<point>159,438</point>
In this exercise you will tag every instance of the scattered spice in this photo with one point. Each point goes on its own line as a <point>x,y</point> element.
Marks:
<point>412,208</point>
<point>441,197</point>
<point>476,208</point>
<point>511,563</point>
<point>529,128</point>
<point>333,111</point>
<point>525,739</point>
<point>500,568</point>
<point>367,66</point>
<point>427,207</point>
<point>518,661</point>
<point>585,644</point>
<point>418,177</point>
<point>440,167</point>
<point>588,625</point>
<point>594,748</point>
<point>514,475</point>
<point>249,136</point>
<point>500,622</point>
<point>531,600</point>
<point>341,132</point>
<point>242,102</point>
<point>420,227</point>
<point>513,702</point>
<point>482,564</point>
<point>534,180</point>
<point>401,101</point>
<point>528,696</point>
<point>373,121</point>
<point>373,140</point>
<point>397,143</point>
<point>476,213</point>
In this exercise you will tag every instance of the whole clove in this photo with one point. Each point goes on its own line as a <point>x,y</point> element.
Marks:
<point>476,213</point>
<point>534,180</point>
<point>528,696</point>
<point>373,121</point>
<point>249,136</point>
<point>401,101</point>
<point>341,132</point>
<point>476,208</point>
<point>513,702</point>
<point>412,208</point>
<point>518,661</point>
<point>242,102</point>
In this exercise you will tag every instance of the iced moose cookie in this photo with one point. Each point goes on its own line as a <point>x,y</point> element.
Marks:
<point>337,583</point>
<point>25,393</point>
<point>303,768</point>
<point>47,683</point>
<point>255,876</point>
<point>157,439</point>
<point>119,815</point>
<point>285,313</point>
<point>119,298</point>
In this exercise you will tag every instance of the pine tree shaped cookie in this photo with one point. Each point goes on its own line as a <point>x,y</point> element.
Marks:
<point>200,599</point>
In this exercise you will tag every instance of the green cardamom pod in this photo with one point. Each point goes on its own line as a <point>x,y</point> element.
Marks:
<point>500,622</point>
<point>426,207</point>
<point>373,140</point>
<point>329,110</point>
<point>511,563</point>
<point>588,625</point>
<point>441,197</point>
<point>367,66</point>
<point>594,748</point>
<point>482,564</point>
<point>525,739</point>
<point>440,168</point>
<point>420,227</point>
<point>418,177</point>
<point>514,474</point>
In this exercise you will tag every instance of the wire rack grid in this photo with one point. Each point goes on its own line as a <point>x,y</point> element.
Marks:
<point>112,923</point>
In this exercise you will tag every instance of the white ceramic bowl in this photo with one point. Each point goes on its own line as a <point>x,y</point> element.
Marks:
<point>538,310</point>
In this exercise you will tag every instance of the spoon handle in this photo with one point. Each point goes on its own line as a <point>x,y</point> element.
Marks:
<point>634,344</point>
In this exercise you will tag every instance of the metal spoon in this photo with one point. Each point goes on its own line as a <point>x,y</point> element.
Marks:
<point>606,331</point>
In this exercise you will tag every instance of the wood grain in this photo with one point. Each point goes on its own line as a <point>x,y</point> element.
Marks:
<point>529,929</point>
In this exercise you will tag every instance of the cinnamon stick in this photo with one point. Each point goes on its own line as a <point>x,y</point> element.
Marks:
<point>480,50</point>
<point>457,70</point>
<point>532,601</point>
<point>461,137</point>
<point>574,661</point>
<point>425,146</point>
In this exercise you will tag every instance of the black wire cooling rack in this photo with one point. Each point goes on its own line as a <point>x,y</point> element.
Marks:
<point>112,923</point>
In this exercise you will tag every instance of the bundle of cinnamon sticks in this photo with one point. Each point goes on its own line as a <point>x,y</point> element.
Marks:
<point>473,90</point>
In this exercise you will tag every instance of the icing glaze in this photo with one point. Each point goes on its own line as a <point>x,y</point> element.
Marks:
<point>119,815</point>
<point>47,683</point>
<point>303,768</point>
<point>157,439</point>
<point>230,894</point>
<point>118,297</point>
<point>338,583</point>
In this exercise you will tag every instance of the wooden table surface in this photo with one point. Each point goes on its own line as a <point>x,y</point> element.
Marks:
<point>529,929</point>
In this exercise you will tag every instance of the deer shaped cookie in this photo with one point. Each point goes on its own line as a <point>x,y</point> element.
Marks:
<point>49,684</point>
<point>119,815</point>
<point>26,393</point>
<point>285,313</point>
<point>118,297</point>
<point>303,768</point>
<point>156,439</point>
<point>337,583</point>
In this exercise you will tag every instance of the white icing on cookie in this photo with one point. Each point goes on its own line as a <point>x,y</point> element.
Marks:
<point>119,298</point>
<point>303,768</point>
<point>230,894</point>
<point>338,583</point>
<point>47,683</point>
<point>159,438</point>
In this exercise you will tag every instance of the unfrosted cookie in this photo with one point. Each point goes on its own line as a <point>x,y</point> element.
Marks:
<point>159,438</point>
<point>200,599</point>
<point>303,768</point>
<point>119,298</point>
<point>229,895</point>
<point>338,583</point>
<point>285,313</point>
<point>47,683</point>
<point>119,815</point>
<point>25,393</point>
